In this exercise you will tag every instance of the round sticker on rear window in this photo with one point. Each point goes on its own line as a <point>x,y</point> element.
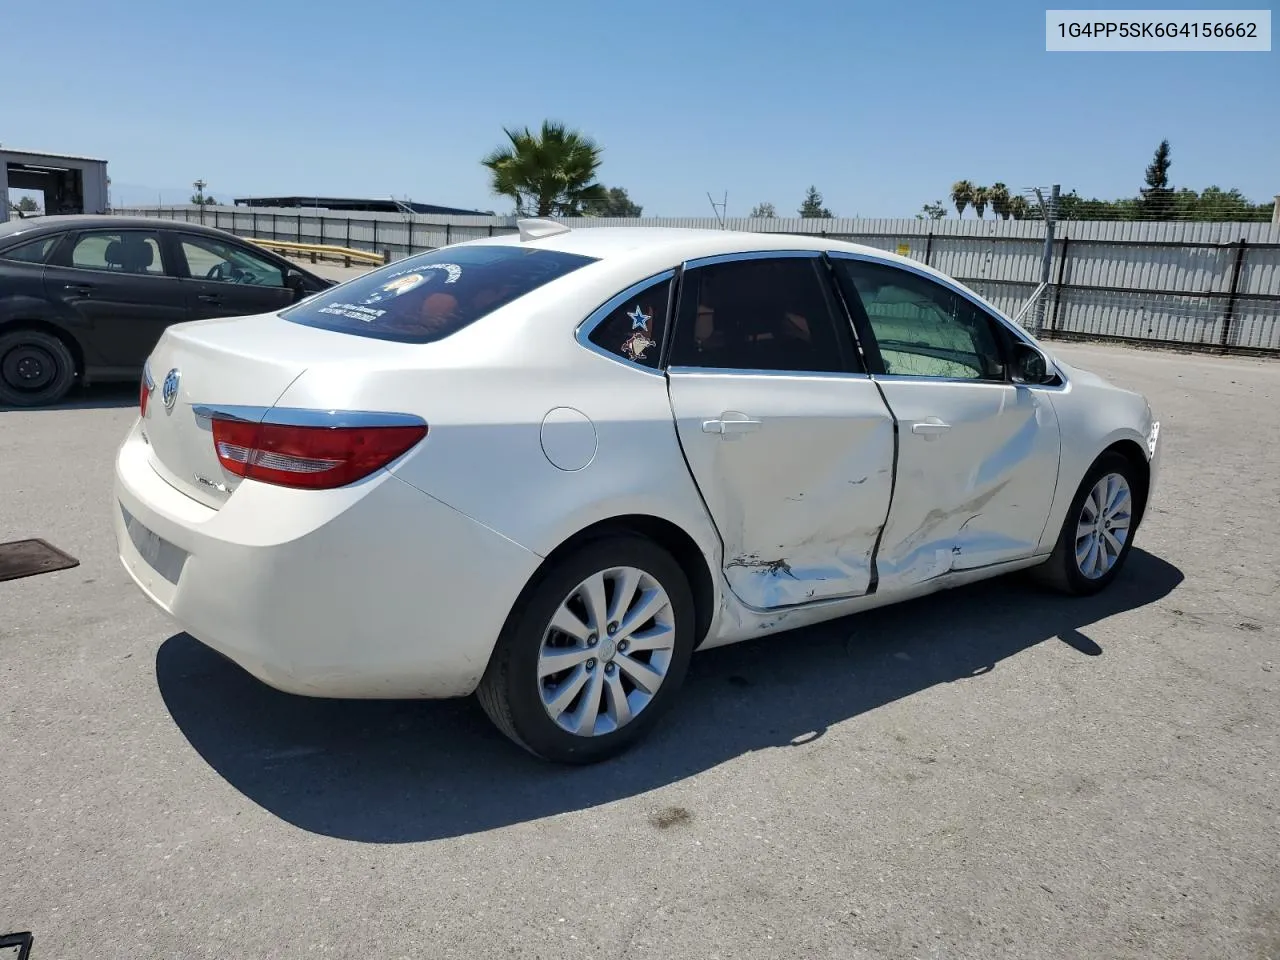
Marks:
<point>396,287</point>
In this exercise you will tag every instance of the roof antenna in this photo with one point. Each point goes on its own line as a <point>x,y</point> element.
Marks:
<point>721,209</point>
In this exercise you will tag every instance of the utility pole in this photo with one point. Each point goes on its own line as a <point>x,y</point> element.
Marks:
<point>1050,211</point>
<point>200,185</point>
<point>721,210</point>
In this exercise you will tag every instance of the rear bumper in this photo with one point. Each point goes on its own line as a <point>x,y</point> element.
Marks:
<point>371,591</point>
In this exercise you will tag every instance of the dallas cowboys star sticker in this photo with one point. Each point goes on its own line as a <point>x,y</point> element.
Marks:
<point>638,319</point>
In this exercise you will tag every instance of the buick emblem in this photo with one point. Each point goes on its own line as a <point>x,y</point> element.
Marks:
<point>169,392</point>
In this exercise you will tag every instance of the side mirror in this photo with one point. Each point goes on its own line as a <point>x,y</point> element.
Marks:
<point>297,283</point>
<point>1031,366</point>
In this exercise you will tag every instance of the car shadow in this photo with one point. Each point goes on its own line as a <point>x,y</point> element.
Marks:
<point>404,771</point>
<point>102,396</point>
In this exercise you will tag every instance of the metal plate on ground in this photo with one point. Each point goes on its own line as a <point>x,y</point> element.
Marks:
<point>16,946</point>
<point>27,558</point>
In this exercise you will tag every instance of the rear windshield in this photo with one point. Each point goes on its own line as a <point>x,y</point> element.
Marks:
<point>430,296</point>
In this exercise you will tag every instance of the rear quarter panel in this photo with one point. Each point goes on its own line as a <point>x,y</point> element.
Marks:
<point>486,393</point>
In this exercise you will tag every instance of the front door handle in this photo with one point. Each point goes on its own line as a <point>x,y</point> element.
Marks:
<point>78,287</point>
<point>930,428</point>
<point>209,298</point>
<point>731,425</point>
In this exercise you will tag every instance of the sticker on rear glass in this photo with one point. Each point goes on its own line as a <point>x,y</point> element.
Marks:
<point>396,287</point>
<point>639,319</point>
<point>634,347</point>
<point>352,311</point>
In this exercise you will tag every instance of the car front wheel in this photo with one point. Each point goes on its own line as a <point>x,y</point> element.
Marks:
<point>594,653</point>
<point>1097,533</point>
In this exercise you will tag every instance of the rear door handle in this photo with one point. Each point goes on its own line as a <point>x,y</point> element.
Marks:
<point>78,287</point>
<point>731,425</point>
<point>209,298</point>
<point>930,428</point>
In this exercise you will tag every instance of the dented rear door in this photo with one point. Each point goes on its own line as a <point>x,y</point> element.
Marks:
<point>797,472</point>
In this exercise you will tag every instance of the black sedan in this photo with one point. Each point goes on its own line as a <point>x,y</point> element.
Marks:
<point>87,297</point>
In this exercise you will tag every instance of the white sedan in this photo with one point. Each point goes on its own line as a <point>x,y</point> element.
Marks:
<point>546,468</point>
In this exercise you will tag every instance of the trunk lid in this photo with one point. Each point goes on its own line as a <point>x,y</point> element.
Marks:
<point>228,362</point>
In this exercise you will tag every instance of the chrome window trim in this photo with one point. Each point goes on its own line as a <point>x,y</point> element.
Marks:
<point>306,417</point>
<point>597,316</point>
<point>908,378</point>
<point>751,255</point>
<point>991,312</point>
<point>746,372</point>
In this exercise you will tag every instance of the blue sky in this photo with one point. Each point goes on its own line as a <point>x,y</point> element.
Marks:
<point>881,105</point>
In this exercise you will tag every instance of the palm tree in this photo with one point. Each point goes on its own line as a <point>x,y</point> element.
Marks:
<point>550,172</point>
<point>961,195</point>
<point>981,197</point>
<point>998,194</point>
<point>1019,209</point>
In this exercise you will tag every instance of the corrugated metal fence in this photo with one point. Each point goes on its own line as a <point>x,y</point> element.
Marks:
<point>1203,284</point>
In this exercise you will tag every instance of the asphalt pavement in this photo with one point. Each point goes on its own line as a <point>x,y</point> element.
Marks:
<point>991,772</point>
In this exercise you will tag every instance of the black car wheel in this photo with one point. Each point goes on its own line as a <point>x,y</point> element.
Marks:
<point>594,653</point>
<point>36,369</point>
<point>1098,531</point>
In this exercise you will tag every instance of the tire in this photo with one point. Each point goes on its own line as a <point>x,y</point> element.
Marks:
<point>36,369</point>
<point>513,693</point>
<point>1063,571</point>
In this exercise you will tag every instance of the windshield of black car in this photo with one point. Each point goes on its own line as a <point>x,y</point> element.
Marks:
<point>428,297</point>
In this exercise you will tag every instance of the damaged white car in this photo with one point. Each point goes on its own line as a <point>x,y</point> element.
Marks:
<point>547,468</point>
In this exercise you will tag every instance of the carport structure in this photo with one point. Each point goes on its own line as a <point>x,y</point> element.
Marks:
<point>69,184</point>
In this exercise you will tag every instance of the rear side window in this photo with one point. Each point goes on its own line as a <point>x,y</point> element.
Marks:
<point>33,251</point>
<point>634,330</point>
<point>428,297</point>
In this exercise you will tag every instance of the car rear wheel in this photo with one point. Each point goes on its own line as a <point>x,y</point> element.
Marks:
<point>1097,533</point>
<point>594,653</point>
<point>36,369</point>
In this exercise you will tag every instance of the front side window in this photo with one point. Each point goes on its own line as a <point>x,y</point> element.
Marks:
<point>33,251</point>
<point>428,297</point>
<point>118,251</point>
<point>211,259</point>
<point>772,314</point>
<point>634,330</point>
<point>923,329</point>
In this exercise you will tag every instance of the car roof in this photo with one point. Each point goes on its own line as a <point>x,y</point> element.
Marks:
<point>684,243</point>
<point>76,221</point>
<point>646,250</point>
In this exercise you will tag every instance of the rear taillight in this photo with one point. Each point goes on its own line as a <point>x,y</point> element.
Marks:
<point>145,388</point>
<point>309,457</point>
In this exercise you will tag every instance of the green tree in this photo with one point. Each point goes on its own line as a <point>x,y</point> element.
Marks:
<point>981,197</point>
<point>615,204</point>
<point>548,172</point>
<point>932,211</point>
<point>197,200</point>
<point>1157,196</point>
<point>813,208</point>
<point>1019,209</point>
<point>764,211</point>
<point>26,205</point>
<point>998,195</point>
<point>961,195</point>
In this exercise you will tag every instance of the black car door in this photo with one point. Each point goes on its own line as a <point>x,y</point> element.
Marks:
<point>113,284</point>
<point>228,279</point>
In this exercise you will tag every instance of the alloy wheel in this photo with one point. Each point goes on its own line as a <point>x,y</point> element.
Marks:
<point>606,651</point>
<point>1102,529</point>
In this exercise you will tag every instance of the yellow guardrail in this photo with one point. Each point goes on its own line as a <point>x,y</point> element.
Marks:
<point>321,250</point>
